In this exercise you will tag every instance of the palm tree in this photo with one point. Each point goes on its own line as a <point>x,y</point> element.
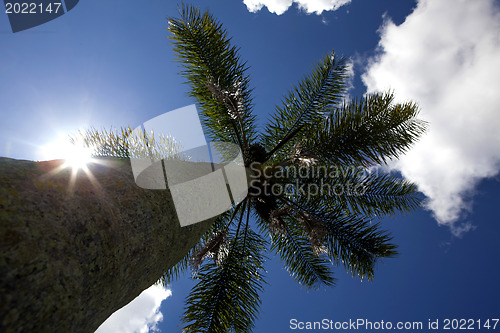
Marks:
<point>69,261</point>
<point>314,191</point>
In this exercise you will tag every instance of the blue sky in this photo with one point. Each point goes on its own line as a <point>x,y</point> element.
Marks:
<point>109,63</point>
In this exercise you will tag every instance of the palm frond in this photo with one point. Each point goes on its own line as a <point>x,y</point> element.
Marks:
<point>226,298</point>
<point>217,76</point>
<point>366,132</point>
<point>127,142</point>
<point>357,243</point>
<point>350,239</point>
<point>356,190</point>
<point>306,104</point>
<point>297,253</point>
<point>214,247</point>
<point>215,242</point>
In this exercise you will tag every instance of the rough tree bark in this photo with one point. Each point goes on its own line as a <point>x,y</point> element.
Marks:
<point>72,254</point>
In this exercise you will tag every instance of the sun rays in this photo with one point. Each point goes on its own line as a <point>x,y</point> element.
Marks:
<point>76,159</point>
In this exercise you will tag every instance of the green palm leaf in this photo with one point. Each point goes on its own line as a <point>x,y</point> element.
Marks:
<point>306,104</point>
<point>356,190</point>
<point>368,132</point>
<point>226,298</point>
<point>216,75</point>
<point>350,239</point>
<point>357,244</point>
<point>297,253</point>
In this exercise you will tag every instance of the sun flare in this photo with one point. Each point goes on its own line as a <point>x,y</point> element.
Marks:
<point>76,155</point>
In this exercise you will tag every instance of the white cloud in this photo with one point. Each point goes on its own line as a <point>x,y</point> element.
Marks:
<point>140,315</point>
<point>446,56</point>
<point>280,6</point>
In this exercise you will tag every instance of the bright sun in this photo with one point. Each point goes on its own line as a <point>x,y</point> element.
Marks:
<point>76,156</point>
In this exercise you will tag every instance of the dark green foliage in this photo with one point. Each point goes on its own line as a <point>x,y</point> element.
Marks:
<point>349,239</point>
<point>366,132</point>
<point>294,247</point>
<point>227,296</point>
<point>216,75</point>
<point>358,191</point>
<point>306,104</point>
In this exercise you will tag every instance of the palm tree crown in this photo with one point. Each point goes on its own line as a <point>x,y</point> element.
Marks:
<point>313,193</point>
<point>311,196</point>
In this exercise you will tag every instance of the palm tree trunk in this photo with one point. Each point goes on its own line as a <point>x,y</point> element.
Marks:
<point>72,254</point>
